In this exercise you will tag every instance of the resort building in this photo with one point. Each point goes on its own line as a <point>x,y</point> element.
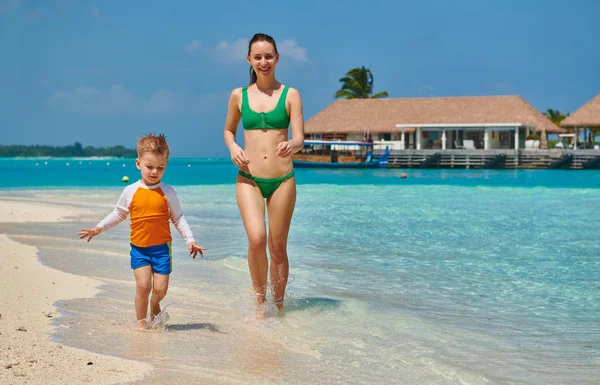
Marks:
<point>443,123</point>
<point>586,121</point>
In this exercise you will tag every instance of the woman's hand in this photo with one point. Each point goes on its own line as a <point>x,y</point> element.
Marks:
<point>284,149</point>
<point>238,157</point>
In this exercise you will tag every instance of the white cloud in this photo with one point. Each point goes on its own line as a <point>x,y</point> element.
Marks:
<point>237,51</point>
<point>232,52</point>
<point>116,101</point>
<point>85,91</point>
<point>95,12</point>
<point>291,49</point>
<point>192,46</point>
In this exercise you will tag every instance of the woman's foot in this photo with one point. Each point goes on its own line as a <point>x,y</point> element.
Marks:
<point>279,304</point>
<point>261,309</point>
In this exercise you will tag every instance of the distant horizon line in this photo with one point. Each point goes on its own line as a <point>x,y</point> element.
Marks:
<point>105,157</point>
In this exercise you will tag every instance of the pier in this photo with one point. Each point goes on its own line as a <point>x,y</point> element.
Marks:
<point>496,159</point>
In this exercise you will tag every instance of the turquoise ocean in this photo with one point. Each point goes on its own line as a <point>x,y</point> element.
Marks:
<point>445,277</point>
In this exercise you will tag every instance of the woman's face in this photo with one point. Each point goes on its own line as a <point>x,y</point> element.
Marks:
<point>263,58</point>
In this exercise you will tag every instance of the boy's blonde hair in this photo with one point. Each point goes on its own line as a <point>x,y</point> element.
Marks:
<point>154,144</point>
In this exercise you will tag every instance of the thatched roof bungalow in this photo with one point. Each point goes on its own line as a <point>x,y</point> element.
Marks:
<point>445,122</point>
<point>587,115</point>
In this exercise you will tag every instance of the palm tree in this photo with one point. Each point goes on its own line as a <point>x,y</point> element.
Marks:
<point>358,84</point>
<point>555,116</point>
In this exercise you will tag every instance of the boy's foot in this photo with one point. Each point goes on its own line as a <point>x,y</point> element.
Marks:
<point>159,320</point>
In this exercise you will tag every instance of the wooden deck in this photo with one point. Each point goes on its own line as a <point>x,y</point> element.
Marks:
<point>500,159</point>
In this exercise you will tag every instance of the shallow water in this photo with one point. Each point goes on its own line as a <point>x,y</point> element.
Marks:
<point>463,280</point>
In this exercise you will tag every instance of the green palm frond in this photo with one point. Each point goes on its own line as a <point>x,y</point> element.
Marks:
<point>382,94</point>
<point>364,77</point>
<point>555,116</point>
<point>345,94</point>
<point>358,83</point>
<point>353,86</point>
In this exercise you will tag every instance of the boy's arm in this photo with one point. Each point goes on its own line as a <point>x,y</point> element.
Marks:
<point>176,215</point>
<point>117,216</point>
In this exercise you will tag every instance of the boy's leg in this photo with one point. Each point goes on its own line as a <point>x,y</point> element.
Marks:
<point>143,286</point>
<point>159,291</point>
<point>161,268</point>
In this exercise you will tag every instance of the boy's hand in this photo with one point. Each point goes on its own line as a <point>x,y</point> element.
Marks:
<point>195,249</point>
<point>90,233</point>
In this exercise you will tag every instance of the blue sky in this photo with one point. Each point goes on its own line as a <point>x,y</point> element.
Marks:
<point>104,72</point>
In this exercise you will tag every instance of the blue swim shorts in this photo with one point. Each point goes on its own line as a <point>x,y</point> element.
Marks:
<point>159,257</point>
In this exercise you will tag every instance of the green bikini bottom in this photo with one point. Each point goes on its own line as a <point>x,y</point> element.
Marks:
<point>267,186</point>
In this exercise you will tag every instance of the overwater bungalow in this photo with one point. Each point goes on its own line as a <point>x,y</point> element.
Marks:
<point>442,123</point>
<point>586,118</point>
<point>452,132</point>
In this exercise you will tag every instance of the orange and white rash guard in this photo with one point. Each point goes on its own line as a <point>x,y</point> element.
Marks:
<point>151,208</point>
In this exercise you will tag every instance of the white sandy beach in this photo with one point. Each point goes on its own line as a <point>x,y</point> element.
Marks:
<point>28,291</point>
<point>23,210</point>
<point>231,351</point>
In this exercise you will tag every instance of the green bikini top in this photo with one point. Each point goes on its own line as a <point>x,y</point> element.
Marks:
<point>276,119</point>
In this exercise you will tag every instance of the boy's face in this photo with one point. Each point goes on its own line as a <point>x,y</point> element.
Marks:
<point>152,167</point>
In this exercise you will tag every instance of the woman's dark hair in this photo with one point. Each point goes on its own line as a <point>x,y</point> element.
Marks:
<point>256,38</point>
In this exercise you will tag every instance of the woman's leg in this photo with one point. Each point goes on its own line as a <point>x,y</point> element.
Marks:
<point>252,209</point>
<point>280,208</point>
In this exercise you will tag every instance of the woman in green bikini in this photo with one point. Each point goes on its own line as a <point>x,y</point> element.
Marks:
<point>267,108</point>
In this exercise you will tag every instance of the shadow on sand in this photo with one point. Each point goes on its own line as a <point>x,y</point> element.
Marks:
<point>193,326</point>
<point>315,304</point>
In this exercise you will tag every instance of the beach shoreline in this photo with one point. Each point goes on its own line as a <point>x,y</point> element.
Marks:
<point>432,325</point>
<point>30,291</point>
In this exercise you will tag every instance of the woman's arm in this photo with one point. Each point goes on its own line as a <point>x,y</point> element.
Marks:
<point>231,123</point>
<point>296,120</point>
<point>296,123</point>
